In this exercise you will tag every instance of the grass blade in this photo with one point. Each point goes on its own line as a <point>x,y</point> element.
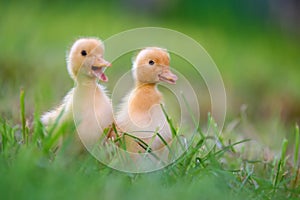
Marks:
<point>173,130</point>
<point>280,164</point>
<point>296,148</point>
<point>22,113</point>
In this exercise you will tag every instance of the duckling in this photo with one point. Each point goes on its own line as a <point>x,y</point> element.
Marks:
<point>140,113</point>
<point>87,103</point>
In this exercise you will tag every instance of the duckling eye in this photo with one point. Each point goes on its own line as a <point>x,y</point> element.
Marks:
<point>83,53</point>
<point>151,62</point>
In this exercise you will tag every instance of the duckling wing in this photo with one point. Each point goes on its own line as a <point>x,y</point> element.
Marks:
<point>61,111</point>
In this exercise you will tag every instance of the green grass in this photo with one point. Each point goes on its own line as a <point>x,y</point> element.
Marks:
<point>30,169</point>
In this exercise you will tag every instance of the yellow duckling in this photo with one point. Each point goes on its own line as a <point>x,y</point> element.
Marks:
<point>141,114</point>
<point>86,103</point>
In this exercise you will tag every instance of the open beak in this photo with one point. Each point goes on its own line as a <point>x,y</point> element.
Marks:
<point>99,67</point>
<point>168,77</point>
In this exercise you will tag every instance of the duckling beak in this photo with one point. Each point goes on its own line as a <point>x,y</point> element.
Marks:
<point>168,77</point>
<point>99,67</point>
<point>101,63</point>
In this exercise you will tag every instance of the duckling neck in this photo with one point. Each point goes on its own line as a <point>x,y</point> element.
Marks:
<point>87,91</point>
<point>87,87</point>
<point>145,85</point>
<point>85,81</point>
<point>145,96</point>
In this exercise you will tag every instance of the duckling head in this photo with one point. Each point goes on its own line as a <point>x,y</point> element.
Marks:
<point>85,59</point>
<point>152,65</point>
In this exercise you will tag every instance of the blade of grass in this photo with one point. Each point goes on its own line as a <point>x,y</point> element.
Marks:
<point>190,111</point>
<point>38,129</point>
<point>144,146</point>
<point>57,134</point>
<point>296,169</point>
<point>150,143</point>
<point>54,133</point>
<point>196,124</point>
<point>173,130</point>
<point>4,136</point>
<point>56,122</point>
<point>22,113</point>
<point>230,146</point>
<point>280,164</point>
<point>165,143</point>
<point>296,148</point>
<point>141,142</point>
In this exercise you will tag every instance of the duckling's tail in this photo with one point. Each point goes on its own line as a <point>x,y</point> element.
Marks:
<point>55,115</point>
<point>49,118</point>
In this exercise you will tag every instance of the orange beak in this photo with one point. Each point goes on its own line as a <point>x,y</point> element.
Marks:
<point>168,77</point>
<point>98,69</point>
<point>100,62</point>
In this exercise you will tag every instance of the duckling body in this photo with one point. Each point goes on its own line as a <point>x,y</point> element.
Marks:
<point>141,114</point>
<point>87,103</point>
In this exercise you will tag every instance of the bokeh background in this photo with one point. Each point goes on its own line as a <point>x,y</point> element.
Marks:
<point>255,44</point>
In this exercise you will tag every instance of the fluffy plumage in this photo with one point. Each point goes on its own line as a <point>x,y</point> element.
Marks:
<point>141,114</point>
<point>87,103</point>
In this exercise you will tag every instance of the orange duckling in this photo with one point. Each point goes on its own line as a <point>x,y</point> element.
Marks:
<point>141,114</point>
